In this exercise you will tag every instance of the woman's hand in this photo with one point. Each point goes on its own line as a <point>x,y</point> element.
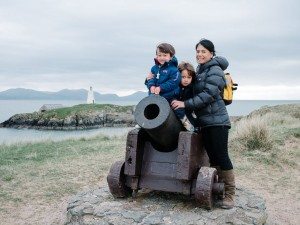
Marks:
<point>177,104</point>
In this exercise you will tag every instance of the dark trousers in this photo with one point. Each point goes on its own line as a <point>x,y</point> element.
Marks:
<point>216,144</point>
<point>180,113</point>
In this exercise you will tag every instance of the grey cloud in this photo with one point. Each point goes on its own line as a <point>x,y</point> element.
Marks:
<point>113,42</point>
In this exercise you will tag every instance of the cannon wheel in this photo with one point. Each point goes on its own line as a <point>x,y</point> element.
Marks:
<point>116,180</point>
<point>204,187</point>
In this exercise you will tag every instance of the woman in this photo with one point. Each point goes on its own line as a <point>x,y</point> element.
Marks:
<point>211,114</point>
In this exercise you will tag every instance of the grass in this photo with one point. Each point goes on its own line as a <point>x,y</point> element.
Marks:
<point>49,151</point>
<point>46,172</point>
<point>265,149</point>
<point>252,134</point>
<point>268,136</point>
<point>82,109</point>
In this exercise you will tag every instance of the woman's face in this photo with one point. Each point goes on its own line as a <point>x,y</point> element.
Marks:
<point>203,55</point>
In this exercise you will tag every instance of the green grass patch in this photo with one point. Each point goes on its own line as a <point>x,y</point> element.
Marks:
<point>295,132</point>
<point>45,151</point>
<point>83,109</point>
<point>7,177</point>
<point>50,170</point>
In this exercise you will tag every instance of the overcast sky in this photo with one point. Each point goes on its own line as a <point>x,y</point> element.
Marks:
<point>55,44</point>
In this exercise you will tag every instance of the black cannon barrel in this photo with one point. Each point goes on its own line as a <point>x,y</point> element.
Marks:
<point>155,115</point>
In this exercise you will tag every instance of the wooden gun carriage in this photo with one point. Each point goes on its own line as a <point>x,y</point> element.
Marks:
<point>162,156</point>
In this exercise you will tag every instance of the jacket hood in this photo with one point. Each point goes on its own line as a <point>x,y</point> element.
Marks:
<point>216,61</point>
<point>223,63</point>
<point>173,61</point>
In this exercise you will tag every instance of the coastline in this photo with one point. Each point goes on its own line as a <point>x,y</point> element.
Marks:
<point>45,128</point>
<point>78,117</point>
<point>104,115</point>
<point>117,124</point>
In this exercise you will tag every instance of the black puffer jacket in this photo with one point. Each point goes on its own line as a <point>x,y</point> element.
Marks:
<point>207,102</point>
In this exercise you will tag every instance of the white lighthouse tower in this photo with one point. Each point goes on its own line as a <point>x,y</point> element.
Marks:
<point>90,97</point>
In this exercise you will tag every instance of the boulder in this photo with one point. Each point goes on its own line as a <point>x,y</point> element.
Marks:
<point>70,121</point>
<point>150,207</point>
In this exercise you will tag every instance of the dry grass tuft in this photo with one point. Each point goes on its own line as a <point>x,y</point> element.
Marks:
<point>270,138</point>
<point>253,134</point>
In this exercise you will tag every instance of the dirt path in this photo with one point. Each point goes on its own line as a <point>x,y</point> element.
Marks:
<point>282,198</point>
<point>35,213</point>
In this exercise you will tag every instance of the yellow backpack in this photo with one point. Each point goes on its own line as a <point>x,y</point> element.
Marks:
<point>230,86</point>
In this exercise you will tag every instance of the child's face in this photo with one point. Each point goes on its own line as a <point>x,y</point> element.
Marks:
<point>163,57</point>
<point>186,79</point>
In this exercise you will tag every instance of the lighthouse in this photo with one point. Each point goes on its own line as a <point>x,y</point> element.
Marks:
<point>90,97</point>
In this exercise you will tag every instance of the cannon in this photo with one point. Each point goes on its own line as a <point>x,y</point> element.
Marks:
<point>162,156</point>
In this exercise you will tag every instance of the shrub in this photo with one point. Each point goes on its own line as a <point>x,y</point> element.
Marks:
<point>253,134</point>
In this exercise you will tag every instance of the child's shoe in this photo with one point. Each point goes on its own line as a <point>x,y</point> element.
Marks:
<point>187,124</point>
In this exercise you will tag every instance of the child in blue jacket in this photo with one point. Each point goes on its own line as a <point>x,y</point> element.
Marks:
<point>183,88</point>
<point>164,77</point>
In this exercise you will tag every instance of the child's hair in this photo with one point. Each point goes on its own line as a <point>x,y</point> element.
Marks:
<point>166,48</point>
<point>189,68</point>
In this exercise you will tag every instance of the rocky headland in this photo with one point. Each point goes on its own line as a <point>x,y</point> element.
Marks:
<point>89,116</point>
<point>84,116</point>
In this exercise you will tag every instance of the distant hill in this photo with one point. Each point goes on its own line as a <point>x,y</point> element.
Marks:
<point>65,94</point>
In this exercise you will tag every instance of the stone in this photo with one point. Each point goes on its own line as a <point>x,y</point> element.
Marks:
<point>152,207</point>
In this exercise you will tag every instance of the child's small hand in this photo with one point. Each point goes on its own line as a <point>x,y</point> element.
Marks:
<point>152,89</point>
<point>149,76</point>
<point>157,90</point>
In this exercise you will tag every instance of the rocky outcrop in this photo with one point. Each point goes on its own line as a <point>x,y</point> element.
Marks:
<point>99,207</point>
<point>73,122</point>
<point>77,121</point>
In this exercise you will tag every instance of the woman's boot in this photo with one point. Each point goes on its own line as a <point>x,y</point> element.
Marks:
<point>218,199</point>
<point>229,181</point>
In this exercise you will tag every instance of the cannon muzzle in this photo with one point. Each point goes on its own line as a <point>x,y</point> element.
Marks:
<point>156,117</point>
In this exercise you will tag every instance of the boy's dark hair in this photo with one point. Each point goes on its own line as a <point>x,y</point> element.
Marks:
<point>208,45</point>
<point>189,68</point>
<point>166,48</point>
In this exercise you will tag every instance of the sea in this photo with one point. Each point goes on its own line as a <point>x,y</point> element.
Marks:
<point>9,108</point>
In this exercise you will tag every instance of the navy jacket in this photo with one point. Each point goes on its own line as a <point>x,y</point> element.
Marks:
<point>207,102</point>
<point>167,77</point>
<point>184,94</point>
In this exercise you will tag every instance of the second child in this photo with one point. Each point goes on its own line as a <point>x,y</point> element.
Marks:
<point>188,76</point>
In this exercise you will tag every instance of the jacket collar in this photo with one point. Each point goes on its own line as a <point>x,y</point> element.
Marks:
<point>190,85</point>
